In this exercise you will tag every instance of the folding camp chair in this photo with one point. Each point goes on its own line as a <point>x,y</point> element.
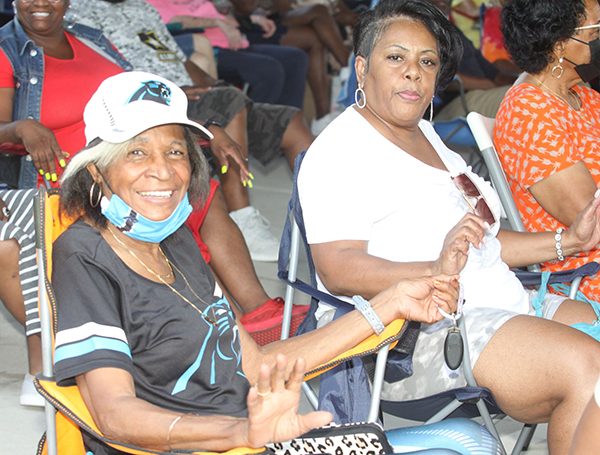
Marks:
<point>471,401</point>
<point>482,128</point>
<point>63,433</point>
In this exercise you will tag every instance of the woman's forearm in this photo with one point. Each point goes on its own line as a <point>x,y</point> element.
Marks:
<point>350,270</point>
<point>120,415</point>
<point>195,22</point>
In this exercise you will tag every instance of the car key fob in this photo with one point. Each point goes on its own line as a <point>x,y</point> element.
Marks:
<point>453,348</point>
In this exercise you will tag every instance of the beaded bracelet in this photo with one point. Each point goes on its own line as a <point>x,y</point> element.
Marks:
<point>558,238</point>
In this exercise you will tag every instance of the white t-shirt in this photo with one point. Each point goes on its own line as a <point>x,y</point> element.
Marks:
<point>354,184</point>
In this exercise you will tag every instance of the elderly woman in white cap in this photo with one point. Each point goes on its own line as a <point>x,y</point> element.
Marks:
<point>142,327</point>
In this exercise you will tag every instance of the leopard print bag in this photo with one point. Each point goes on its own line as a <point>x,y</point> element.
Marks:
<point>333,439</point>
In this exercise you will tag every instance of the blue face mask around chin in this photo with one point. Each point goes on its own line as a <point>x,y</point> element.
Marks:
<point>131,223</point>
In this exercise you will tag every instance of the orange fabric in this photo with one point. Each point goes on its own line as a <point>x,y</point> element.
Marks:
<point>492,46</point>
<point>537,135</point>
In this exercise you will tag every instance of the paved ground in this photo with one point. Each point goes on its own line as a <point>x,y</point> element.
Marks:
<point>22,427</point>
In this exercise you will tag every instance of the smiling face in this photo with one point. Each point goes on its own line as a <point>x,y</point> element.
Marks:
<point>41,17</point>
<point>154,174</point>
<point>401,79</point>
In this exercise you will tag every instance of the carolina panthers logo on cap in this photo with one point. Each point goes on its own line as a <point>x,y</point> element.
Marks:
<point>152,91</point>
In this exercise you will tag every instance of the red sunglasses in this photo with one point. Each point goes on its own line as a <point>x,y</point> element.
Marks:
<point>477,202</point>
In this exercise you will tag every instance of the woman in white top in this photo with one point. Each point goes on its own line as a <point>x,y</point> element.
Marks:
<point>380,203</point>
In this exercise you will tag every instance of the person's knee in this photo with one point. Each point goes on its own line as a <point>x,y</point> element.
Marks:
<point>319,11</point>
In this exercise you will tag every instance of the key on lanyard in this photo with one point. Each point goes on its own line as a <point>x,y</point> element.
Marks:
<point>453,345</point>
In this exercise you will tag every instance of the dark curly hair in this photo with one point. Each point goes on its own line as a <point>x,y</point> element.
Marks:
<point>372,24</point>
<point>531,29</point>
<point>75,188</point>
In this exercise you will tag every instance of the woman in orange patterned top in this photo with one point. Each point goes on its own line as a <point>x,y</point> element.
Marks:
<point>547,126</point>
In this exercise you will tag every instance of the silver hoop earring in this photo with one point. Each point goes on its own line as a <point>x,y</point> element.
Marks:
<point>98,198</point>
<point>558,66</point>
<point>431,110</point>
<point>358,95</point>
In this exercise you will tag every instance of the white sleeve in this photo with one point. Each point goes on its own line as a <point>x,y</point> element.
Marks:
<point>334,186</point>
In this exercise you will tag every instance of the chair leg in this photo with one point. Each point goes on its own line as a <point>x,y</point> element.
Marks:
<point>524,439</point>
<point>489,424</point>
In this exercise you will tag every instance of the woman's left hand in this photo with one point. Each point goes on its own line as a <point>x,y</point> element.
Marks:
<point>418,299</point>
<point>585,230</point>
<point>273,406</point>
<point>223,148</point>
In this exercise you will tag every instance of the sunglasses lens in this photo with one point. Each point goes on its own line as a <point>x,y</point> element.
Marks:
<point>483,210</point>
<point>467,186</point>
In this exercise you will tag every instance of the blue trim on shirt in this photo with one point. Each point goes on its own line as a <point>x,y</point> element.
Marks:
<point>92,344</point>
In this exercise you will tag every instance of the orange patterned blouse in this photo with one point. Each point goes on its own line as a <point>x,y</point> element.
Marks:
<point>537,135</point>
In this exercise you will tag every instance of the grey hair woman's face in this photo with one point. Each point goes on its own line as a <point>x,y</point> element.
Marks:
<point>400,80</point>
<point>154,174</point>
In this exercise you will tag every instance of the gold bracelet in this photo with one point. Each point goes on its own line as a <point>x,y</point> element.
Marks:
<point>177,419</point>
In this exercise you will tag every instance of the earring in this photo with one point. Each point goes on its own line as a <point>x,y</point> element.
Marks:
<point>97,201</point>
<point>360,93</point>
<point>558,66</point>
<point>431,111</point>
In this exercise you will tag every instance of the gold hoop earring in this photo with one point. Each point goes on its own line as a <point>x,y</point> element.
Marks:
<point>558,66</point>
<point>358,95</point>
<point>93,203</point>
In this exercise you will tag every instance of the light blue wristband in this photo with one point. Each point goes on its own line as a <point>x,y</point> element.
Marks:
<point>367,311</point>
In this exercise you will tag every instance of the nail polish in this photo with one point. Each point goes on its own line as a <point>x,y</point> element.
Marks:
<point>251,176</point>
<point>250,183</point>
<point>42,172</point>
<point>224,170</point>
<point>47,176</point>
<point>54,178</point>
<point>62,163</point>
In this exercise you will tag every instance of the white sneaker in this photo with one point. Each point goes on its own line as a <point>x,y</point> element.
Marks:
<point>263,246</point>
<point>318,125</point>
<point>29,395</point>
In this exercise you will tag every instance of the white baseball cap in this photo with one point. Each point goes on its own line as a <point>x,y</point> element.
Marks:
<point>132,102</point>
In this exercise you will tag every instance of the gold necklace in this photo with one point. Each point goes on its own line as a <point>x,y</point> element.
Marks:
<point>572,92</point>
<point>160,277</point>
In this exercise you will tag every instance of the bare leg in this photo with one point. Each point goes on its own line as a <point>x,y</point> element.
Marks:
<point>323,23</point>
<point>230,259</point>
<point>297,137</point>
<point>236,194</point>
<point>541,371</point>
<point>12,296</point>
<point>306,39</point>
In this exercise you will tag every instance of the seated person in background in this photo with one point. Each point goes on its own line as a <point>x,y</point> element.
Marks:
<point>239,125</point>
<point>276,74</point>
<point>310,28</point>
<point>546,131</point>
<point>484,83</point>
<point>144,293</point>
<point>224,250</point>
<point>403,214</point>
<point>201,53</point>
<point>492,41</point>
<point>41,118</point>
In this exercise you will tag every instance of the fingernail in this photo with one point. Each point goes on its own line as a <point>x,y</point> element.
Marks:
<point>224,170</point>
<point>437,282</point>
<point>67,154</point>
<point>597,193</point>
<point>47,176</point>
<point>440,293</point>
<point>250,183</point>
<point>54,178</point>
<point>41,172</point>
<point>62,163</point>
<point>244,182</point>
<point>252,177</point>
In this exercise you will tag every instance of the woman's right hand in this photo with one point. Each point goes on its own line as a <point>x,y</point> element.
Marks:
<point>231,28</point>
<point>42,146</point>
<point>470,230</point>
<point>273,413</point>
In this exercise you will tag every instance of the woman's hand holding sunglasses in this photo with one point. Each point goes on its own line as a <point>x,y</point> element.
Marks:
<point>470,230</point>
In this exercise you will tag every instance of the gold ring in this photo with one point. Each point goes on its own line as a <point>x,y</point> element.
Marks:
<point>263,394</point>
